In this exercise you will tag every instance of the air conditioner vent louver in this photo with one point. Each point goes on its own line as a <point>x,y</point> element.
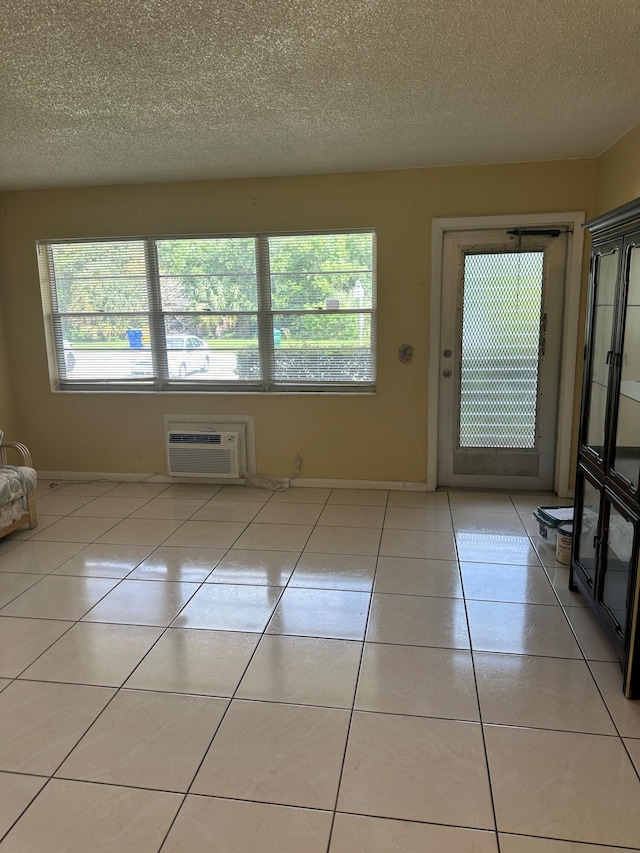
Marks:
<point>194,438</point>
<point>204,452</point>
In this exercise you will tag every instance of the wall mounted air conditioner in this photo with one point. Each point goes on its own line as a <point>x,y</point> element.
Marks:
<point>199,451</point>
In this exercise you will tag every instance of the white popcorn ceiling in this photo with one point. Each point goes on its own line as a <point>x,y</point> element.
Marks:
<point>119,91</point>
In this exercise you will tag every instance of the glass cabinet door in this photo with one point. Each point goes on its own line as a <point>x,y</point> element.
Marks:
<point>602,322</point>
<point>626,460</point>
<point>586,529</point>
<point>618,553</point>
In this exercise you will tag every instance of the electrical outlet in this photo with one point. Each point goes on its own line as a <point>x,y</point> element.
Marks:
<point>298,460</point>
<point>136,453</point>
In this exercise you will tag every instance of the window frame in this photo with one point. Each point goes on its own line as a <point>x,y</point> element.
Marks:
<point>161,381</point>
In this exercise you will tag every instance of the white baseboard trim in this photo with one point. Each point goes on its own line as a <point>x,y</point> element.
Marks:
<point>319,483</point>
<point>296,483</point>
<point>85,476</point>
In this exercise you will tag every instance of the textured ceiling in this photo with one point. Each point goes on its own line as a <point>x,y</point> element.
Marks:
<point>118,91</point>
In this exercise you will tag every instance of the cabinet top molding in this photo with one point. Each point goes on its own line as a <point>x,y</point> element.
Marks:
<point>627,213</point>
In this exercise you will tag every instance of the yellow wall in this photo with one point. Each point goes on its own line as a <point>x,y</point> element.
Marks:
<point>375,437</point>
<point>619,173</point>
<point>8,415</point>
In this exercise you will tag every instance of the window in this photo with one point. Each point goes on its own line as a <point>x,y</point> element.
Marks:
<point>285,312</point>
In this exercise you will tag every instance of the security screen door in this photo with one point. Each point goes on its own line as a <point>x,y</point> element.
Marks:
<point>502,304</point>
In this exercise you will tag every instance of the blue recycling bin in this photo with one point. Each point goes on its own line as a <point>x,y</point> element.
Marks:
<point>135,338</point>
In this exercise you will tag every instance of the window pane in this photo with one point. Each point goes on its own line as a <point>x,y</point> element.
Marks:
<point>602,329</point>
<point>618,568</point>
<point>323,348</point>
<point>587,529</point>
<point>627,453</point>
<point>218,306</point>
<point>500,343</point>
<point>103,348</point>
<point>321,271</point>
<point>208,274</point>
<point>209,349</point>
<point>100,276</point>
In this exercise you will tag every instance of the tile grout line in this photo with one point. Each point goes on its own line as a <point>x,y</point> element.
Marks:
<point>356,686</point>
<point>481,722</point>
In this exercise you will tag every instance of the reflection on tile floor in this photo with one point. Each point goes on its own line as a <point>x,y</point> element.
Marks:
<point>226,669</point>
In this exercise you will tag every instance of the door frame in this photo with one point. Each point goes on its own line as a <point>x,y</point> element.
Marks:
<point>573,285</point>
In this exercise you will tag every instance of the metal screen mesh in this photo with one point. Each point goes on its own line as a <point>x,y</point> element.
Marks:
<point>500,344</point>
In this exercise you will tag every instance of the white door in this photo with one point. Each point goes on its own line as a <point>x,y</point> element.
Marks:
<point>501,328</point>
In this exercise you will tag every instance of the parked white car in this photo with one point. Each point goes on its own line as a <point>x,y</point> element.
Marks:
<point>185,354</point>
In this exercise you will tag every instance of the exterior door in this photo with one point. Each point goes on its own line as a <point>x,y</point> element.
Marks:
<point>502,302</point>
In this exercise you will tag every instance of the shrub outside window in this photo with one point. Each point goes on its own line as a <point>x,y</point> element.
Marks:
<point>262,312</point>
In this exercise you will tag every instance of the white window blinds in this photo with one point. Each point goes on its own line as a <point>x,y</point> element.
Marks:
<point>258,312</point>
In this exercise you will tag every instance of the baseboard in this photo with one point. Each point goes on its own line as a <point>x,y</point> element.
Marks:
<point>296,483</point>
<point>85,476</point>
<point>320,483</point>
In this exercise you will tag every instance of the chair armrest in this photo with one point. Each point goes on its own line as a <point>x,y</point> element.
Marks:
<point>20,449</point>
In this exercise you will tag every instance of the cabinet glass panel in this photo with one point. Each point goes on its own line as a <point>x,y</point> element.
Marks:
<point>617,568</point>
<point>606,273</point>
<point>587,528</point>
<point>627,451</point>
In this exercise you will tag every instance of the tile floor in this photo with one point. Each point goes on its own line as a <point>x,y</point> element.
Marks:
<point>224,669</point>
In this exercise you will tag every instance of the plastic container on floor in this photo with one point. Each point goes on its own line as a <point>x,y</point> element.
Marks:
<point>549,517</point>
<point>563,542</point>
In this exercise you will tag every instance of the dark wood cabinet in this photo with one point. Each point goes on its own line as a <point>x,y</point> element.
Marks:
<point>606,542</point>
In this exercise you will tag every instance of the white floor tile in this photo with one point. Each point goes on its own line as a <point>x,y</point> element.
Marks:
<point>425,682</point>
<point>337,614</point>
<point>227,607</point>
<point>540,692</point>
<point>378,835</point>
<point>418,543</point>
<point>59,597</point>
<point>94,654</point>
<point>76,817</point>
<point>175,563</point>
<point>418,621</point>
<point>344,540</point>
<point>521,629</point>
<point>16,792</point>
<point>415,576</point>
<point>146,740</point>
<point>24,640</point>
<point>334,571</point>
<point>412,768</point>
<point>358,497</point>
<point>104,561</point>
<point>38,557</point>
<point>303,671</point>
<point>208,663</point>
<point>209,825</point>
<point>576,787</point>
<point>42,722</point>
<point>285,754</point>
<point>142,603</point>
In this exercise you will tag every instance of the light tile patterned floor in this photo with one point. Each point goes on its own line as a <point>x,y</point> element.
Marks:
<point>203,669</point>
